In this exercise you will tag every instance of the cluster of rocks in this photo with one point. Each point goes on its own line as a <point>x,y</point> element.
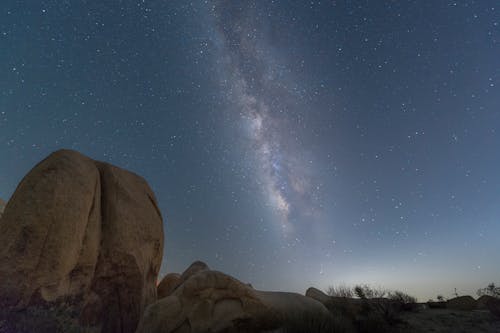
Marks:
<point>203,300</point>
<point>90,234</point>
<point>468,303</point>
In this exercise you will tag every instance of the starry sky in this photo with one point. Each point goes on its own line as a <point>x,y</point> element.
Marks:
<point>290,143</point>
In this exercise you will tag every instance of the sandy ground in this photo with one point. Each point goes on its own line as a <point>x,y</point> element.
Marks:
<point>447,320</point>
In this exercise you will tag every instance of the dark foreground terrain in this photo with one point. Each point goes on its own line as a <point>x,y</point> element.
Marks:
<point>41,320</point>
<point>446,320</point>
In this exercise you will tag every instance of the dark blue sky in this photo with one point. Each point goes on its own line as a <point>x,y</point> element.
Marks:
<point>290,143</point>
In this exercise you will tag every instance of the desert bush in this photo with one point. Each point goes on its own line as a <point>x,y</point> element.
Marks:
<point>340,291</point>
<point>359,291</point>
<point>365,291</point>
<point>377,315</point>
<point>383,313</point>
<point>402,300</point>
<point>373,310</point>
<point>348,308</point>
<point>490,290</point>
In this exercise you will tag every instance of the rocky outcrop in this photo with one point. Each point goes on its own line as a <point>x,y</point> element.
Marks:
<point>84,232</point>
<point>207,302</point>
<point>168,284</point>
<point>211,301</point>
<point>462,303</point>
<point>318,295</point>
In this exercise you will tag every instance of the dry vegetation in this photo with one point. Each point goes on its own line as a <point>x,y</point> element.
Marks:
<point>367,309</point>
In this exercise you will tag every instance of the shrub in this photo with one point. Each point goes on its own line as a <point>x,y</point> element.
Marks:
<point>401,297</point>
<point>374,310</point>
<point>340,291</point>
<point>384,309</point>
<point>366,292</point>
<point>348,308</point>
<point>490,290</point>
<point>404,301</point>
<point>360,292</point>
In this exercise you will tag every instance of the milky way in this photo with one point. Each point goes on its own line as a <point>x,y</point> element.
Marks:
<point>258,90</point>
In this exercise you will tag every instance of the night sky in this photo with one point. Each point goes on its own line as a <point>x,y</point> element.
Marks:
<point>289,143</point>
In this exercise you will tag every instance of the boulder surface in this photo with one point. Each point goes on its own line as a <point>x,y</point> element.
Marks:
<point>168,284</point>
<point>85,232</point>
<point>50,231</point>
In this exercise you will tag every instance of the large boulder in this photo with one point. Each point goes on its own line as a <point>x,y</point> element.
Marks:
<point>83,232</point>
<point>462,303</point>
<point>211,301</point>
<point>168,284</point>
<point>50,232</point>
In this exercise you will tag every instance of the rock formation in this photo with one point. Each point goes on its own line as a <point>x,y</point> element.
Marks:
<point>168,284</point>
<point>318,295</point>
<point>462,303</point>
<point>211,301</point>
<point>85,232</point>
